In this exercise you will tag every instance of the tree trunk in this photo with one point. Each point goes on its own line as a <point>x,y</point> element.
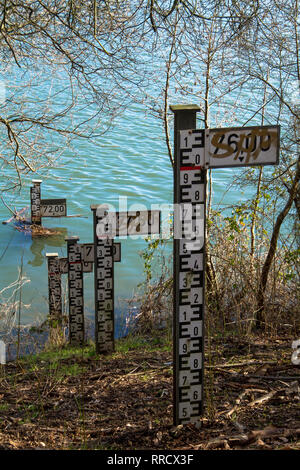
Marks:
<point>260,317</point>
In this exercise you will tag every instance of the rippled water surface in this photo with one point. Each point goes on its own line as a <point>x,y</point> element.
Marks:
<point>130,160</point>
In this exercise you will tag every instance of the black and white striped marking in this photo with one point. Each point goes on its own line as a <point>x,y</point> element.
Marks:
<point>75,287</point>
<point>54,287</point>
<point>189,279</point>
<point>35,202</point>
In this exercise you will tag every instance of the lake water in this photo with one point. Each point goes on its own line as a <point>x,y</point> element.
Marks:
<point>128,161</point>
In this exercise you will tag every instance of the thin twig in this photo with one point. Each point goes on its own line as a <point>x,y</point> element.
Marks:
<point>15,213</point>
<point>241,364</point>
<point>271,377</point>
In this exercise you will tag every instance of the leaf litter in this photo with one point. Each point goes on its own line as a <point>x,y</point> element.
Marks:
<point>124,401</point>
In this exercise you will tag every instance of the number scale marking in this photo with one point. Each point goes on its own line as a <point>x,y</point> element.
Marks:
<point>35,199</point>
<point>189,251</point>
<point>75,285</point>
<point>104,289</point>
<point>199,150</point>
<point>53,207</point>
<point>54,284</point>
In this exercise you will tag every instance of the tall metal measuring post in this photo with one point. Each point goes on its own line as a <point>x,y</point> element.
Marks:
<point>104,289</point>
<point>189,274</point>
<point>195,151</point>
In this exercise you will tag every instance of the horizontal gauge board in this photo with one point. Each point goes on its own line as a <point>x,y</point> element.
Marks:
<point>64,266</point>
<point>118,224</point>
<point>88,258</point>
<point>243,146</point>
<point>88,252</point>
<point>53,207</point>
<point>230,147</point>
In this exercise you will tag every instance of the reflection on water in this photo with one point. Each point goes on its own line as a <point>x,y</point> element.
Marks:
<point>39,244</point>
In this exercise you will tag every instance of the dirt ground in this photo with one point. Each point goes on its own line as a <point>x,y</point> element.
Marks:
<point>124,401</point>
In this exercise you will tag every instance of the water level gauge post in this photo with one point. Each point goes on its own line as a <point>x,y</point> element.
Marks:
<point>55,297</point>
<point>188,266</point>
<point>104,285</point>
<point>35,202</point>
<point>75,288</point>
<point>195,151</point>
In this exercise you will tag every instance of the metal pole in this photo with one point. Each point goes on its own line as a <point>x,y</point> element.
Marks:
<point>75,285</point>
<point>189,271</point>
<point>54,286</point>
<point>35,202</point>
<point>104,290</point>
<point>54,283</point>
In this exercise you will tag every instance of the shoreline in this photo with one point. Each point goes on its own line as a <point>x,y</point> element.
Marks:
<point>33,338</point>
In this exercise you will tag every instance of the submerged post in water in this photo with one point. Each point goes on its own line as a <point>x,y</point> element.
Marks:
<point>35,202</point>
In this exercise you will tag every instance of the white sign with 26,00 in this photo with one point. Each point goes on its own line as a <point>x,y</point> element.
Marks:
<point>230,147</point>
<point>243,146</point>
